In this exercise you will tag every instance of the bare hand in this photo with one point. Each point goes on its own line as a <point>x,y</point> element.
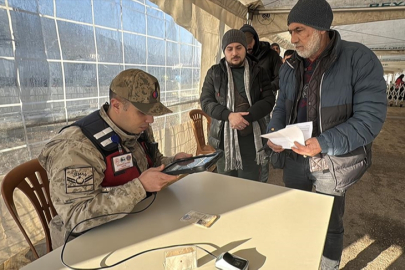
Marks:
<point>154,180</point>
<point>182,155</point>
<point>276,148</point>
<point>311,147</point>
<point>237,121</point>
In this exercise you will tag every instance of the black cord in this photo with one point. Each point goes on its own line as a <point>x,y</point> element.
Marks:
<point>140,253</point>
<point>133,256</point>
<point>106,215</point>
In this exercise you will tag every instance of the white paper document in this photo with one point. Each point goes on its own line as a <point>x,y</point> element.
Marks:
<point>306,129</point>
<point>292,133</point>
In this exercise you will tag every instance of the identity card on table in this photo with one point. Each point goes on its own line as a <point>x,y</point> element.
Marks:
<point>201,219</point>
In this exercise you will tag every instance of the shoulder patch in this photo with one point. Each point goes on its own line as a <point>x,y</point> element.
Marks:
<point>79,180</point>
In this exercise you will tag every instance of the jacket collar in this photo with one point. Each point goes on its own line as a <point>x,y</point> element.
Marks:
<point>331,51</point>
<point>251,59</point>
<point>122,134</point>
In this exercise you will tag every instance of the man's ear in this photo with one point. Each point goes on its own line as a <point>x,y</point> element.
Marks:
<point>115,105</point>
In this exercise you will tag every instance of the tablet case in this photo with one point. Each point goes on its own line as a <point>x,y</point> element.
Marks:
<point>194,164</point>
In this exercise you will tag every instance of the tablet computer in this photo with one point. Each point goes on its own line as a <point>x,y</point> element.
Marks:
<point>193,164</point>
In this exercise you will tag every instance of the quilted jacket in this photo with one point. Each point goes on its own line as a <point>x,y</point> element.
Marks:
<point>346,103</point>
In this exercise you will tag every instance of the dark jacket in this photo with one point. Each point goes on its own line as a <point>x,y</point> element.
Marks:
<point>266,57</point>
<point>214,93</point>
<point>346,103</point>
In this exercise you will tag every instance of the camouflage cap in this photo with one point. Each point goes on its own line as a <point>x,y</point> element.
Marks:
<point>141,89</point>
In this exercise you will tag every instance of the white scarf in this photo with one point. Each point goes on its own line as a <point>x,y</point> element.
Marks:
<point>233,159</point>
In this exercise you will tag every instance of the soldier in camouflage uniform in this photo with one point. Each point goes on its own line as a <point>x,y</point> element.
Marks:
<point>105,163</point>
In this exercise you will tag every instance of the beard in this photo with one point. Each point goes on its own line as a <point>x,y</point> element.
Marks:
<point>236,62</point>
<point>313,46</point>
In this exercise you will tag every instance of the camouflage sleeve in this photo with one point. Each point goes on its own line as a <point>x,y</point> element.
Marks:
<point>75,169</point>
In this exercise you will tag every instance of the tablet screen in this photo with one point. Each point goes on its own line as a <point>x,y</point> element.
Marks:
<point>189,164</point>
<point>194,164</point>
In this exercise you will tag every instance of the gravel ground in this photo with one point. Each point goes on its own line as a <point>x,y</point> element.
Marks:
<point>375,206</point>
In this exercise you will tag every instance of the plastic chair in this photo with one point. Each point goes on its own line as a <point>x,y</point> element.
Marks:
<point>197,116</point>
<point>32,180</point>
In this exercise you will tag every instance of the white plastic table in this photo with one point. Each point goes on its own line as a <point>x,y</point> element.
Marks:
<point>271,226</point>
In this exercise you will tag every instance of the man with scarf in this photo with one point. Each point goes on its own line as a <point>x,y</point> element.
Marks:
<point>339,87</point>
<point>237,95</point>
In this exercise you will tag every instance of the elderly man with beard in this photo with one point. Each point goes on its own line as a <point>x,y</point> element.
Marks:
<point>237,94</point>
<point>339,87</point>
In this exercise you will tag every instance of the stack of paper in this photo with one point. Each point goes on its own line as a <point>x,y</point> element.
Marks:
<point>292,133</point>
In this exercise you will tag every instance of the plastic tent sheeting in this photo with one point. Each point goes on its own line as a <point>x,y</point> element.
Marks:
<point>378,25</point>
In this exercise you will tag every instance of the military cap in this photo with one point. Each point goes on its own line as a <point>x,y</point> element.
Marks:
<point>141,89</point>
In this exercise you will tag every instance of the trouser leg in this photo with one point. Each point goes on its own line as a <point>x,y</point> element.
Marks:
<point>251,170</point>
<point>264,171</point>
<point>332,252</point>
<point>295,174</point>
<point>221,168</point>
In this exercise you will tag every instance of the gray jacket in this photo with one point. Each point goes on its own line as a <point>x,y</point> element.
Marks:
<point>346,103</point>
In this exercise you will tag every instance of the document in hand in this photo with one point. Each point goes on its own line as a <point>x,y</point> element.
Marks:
<point>292,133</point>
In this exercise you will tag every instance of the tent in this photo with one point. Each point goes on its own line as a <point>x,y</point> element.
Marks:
<point>378,25</point>
<point>39,97</point>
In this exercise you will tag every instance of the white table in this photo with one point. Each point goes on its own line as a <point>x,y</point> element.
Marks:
<point>271,226</point>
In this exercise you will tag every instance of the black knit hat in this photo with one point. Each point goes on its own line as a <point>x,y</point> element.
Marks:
<point>234,35</point>
<point>314,13</point>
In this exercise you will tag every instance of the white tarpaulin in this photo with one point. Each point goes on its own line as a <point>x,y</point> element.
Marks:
<point>378,25</point>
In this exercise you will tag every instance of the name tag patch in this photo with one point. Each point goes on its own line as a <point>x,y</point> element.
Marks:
<point>122,162</point>
<point>79,180</point>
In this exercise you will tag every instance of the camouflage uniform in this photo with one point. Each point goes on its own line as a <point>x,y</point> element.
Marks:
<point>72,155</point>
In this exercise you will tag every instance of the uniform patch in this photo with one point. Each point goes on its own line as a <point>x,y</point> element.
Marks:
<point>79,180</point>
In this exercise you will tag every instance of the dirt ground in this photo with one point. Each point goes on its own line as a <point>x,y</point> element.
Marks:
<point>375,206</point>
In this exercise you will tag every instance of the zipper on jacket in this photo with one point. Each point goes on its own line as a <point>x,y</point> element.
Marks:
<point>295,105</point>
<point>289,120</point>
<point>295,108</point>
<point>366,155</point>
<point>320,94</point>
<point>252,77</point>
<point>320,98</point>
<point>300,93</point>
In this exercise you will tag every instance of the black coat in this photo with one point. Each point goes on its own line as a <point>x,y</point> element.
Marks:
<point>214,93</point>
<point>266,57</point>
<point>270,61</point>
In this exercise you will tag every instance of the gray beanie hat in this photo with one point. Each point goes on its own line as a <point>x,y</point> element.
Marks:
<point>234,35</point>
<point>314,13</point>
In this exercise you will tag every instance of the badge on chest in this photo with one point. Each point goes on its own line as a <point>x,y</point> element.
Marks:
<point>122,162</point>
